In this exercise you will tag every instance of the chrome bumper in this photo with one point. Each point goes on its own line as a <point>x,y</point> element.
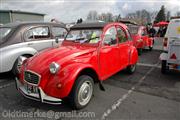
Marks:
<point>40,96</point>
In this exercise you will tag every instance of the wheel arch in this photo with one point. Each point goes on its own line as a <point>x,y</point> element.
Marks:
<point>12,55</point>
<point>133,55</point>
<point>78,71</point>
<point>89,71</point>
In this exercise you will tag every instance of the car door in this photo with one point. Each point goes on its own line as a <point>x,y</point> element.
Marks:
<point>123,44</point>
<point>109,53</point>
<point>38,37</point>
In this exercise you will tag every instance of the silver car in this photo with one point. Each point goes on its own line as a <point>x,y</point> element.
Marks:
<point>26,39</point>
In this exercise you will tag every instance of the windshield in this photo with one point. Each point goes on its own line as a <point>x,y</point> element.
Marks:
<point>133,30</point>
<point>84,35</point>
<point>4,32</point>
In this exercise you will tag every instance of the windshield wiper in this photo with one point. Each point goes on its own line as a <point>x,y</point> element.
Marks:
<point>78,39</point>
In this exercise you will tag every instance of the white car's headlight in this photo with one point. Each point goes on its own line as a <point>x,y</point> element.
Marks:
<point>54,67</point>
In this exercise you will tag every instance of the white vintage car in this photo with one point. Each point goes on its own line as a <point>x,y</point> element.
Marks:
<point>26,39</point>
<point>171,55</point>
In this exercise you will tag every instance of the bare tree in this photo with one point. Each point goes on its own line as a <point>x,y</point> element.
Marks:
<point>140,16</point>
<point>92,15</point>
<point>168,16</point>
<point>178,13</point>
<point>107,17</point>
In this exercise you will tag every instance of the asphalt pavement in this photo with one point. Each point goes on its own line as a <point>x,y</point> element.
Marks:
<point>145,95</point>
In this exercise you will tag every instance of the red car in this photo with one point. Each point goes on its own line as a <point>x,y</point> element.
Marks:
<point>141,38</point>
<point>90,53</point>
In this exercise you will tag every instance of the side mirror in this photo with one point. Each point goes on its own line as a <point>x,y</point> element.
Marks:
<point>57,40</point>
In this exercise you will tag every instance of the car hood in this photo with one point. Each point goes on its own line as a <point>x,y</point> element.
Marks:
<point>41,61</point>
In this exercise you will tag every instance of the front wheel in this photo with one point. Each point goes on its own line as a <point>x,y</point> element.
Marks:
<point>131,69</point>
<point>82,92</point>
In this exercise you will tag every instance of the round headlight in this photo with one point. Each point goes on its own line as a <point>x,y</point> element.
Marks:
<point>54,67</point>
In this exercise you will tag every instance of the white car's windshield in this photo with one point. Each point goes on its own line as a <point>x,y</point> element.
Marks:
<point>4,31</point>
<point>84,35</point>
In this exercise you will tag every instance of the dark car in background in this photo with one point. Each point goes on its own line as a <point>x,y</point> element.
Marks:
<point>24,39</point>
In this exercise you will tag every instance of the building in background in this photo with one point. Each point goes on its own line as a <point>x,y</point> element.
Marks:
<point>7,16</point>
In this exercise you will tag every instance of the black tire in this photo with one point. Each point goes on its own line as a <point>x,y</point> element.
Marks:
<point>153,42</point>
<point>15,66</point>
<point>150,48</point>
<point>14,69</point>
<point>164,67</point>
<point>131,69</point>
<point>140,51</point>
<point>74,97</point>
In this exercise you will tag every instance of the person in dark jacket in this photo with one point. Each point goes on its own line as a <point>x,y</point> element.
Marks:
<point>152,32</point>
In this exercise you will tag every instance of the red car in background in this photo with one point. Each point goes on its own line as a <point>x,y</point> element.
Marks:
<point>90,53</point>
<point>141,38</point>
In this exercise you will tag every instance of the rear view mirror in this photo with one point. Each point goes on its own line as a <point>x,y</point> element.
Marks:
<point>57,40</point>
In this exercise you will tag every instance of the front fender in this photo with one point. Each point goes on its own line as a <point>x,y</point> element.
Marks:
<point>9,56</point>
<point>139,43</point>
<point>150,42</point>
<point>66,77</point>
<point>133,55</point>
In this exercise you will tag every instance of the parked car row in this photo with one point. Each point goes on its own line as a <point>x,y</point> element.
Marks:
<point>67,63</point>
<point>141,38</point>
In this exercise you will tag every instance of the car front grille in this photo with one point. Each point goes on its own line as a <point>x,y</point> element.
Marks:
<point>31,77</point>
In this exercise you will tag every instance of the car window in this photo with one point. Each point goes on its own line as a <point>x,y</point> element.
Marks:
<point>37,33</point>
<point>128,35</point>
<point>110,36</point>
<point>4,32</point>
<point>59,32</point>
<point>121,35</point>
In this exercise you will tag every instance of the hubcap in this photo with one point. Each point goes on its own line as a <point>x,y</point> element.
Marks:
<point>85,93</point>
<point>133,67</point>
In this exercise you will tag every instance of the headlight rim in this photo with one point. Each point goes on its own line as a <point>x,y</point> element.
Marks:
<point>55,66</point>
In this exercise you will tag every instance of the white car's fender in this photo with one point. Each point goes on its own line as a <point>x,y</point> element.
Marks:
<point>9,56</point>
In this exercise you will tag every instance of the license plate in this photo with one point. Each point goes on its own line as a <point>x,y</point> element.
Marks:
<point>31,89</point>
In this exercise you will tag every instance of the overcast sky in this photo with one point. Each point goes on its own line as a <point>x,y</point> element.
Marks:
<point>71,10</point>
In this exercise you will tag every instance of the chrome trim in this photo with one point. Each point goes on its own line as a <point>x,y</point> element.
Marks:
<point>33,73</point>
<point>40,96</point>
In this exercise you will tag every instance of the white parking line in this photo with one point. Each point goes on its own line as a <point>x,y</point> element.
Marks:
<point>149,65</point>
<point>6,85</point>
<point>114,106</point>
